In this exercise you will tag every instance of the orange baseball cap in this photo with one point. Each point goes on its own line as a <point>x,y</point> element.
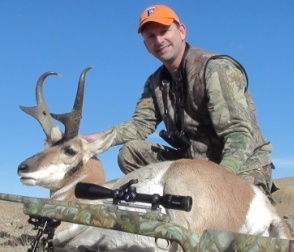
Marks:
<point>159,14</point>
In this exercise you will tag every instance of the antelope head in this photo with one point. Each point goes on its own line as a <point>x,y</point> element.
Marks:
<point>67,158</point>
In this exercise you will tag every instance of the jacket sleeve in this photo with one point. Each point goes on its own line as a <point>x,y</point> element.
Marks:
<point>230,114</point>
<point>144,120</point>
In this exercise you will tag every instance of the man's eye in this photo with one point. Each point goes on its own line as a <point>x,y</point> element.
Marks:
<point>164,31</point>
<point>151,36</point>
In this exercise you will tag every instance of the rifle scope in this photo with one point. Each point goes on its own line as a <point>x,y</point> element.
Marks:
<point>92,192</point>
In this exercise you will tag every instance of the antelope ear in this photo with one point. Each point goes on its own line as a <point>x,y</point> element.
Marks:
<point>102,144</point>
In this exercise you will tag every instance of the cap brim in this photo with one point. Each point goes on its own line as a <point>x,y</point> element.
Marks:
<point>163,21</point>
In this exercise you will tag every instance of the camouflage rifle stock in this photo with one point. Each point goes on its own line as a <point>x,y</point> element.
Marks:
<point>152,224</point>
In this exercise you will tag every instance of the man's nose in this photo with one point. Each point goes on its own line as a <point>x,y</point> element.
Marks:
<point>159,39</point>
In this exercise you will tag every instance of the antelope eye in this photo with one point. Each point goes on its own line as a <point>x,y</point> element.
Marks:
<point>69,151</point>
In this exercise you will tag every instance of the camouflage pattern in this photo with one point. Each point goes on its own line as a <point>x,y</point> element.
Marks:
<point>137,153</point>
<point>233,116</point>
<point>152,224</point>
<point>261,177</point>
<point>219,113</point>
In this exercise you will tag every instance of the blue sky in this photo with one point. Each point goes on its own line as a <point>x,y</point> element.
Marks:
<point>67,36</point>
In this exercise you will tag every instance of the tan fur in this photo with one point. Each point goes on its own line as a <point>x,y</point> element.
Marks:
<point>94,173</point>
<point>220,199</point>
<point>89,170</point>
<point>215,189</point>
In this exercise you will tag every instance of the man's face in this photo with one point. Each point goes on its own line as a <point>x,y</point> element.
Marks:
<point>166,43</point>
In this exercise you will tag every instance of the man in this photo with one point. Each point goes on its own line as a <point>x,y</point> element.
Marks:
<point>203,100</point>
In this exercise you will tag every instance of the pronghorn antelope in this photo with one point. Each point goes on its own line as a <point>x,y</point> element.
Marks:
<point>221,200</point>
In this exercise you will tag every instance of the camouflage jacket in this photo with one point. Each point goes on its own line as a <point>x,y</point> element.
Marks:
<point>219,114</point>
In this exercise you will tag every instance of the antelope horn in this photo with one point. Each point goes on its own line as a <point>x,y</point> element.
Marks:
<point>41,111</point>
<point>72,119</point>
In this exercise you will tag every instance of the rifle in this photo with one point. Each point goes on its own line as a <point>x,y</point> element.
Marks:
<point>104,216</point>
<point>151,223</point>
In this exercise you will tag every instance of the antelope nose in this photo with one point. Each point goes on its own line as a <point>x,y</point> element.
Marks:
<point>22,167</point>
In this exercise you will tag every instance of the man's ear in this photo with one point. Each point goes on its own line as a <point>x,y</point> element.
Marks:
<point>183,31</point>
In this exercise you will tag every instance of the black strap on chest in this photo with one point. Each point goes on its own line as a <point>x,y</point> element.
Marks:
<point>175,89</point>
<point>177,93</point>
<point>165,89</point>
<point>176,137</point>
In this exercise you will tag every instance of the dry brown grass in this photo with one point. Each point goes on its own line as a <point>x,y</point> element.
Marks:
<point>284,197</point>
<point>16,233</point>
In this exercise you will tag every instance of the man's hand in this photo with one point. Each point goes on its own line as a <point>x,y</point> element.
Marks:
<point>228,169</point>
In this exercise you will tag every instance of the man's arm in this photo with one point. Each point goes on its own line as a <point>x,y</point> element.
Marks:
<point>229,111</point>
<point>143,122</point>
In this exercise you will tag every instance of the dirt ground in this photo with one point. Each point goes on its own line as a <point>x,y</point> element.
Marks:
<point>16,233</point>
